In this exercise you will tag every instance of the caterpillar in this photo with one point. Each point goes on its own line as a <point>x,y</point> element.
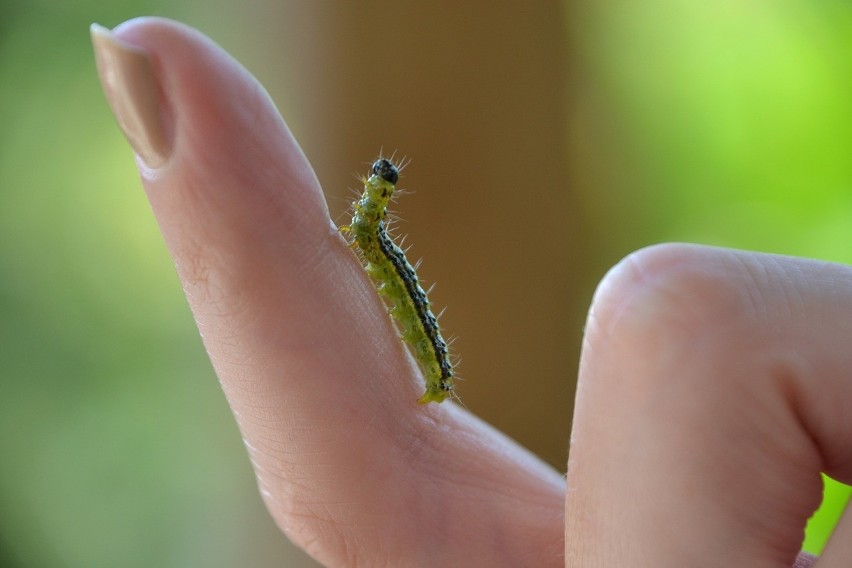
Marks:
<point>396,280</point>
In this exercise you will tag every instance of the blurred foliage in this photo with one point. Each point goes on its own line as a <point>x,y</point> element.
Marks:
<point>733,118</point>
<point>732,126</point>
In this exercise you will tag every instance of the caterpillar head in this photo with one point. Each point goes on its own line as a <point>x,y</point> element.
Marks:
<point>385,169</point>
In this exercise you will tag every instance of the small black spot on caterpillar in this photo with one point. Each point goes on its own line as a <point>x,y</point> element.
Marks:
<point>396,280</point>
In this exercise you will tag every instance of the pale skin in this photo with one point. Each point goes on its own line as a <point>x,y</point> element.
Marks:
<point>714,384</point>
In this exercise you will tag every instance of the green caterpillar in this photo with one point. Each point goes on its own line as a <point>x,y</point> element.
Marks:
<point>397,281</point>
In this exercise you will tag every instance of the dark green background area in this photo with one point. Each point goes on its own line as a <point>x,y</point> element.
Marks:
<point>723,123</point>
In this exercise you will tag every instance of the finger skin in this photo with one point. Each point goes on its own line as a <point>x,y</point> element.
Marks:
<point>349,465</point>
<point>714,388</point>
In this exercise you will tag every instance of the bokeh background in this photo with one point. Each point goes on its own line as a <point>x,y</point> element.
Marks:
<point>547,140</point>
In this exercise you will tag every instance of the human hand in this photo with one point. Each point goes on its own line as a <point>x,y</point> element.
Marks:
<point>711,389</point>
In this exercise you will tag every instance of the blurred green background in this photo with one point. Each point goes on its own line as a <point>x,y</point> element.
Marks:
<point>547,140</point>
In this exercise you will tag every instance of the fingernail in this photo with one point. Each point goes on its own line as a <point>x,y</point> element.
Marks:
<point>128,80</point>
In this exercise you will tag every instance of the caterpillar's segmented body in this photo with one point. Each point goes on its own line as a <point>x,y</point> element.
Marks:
<point>397,280</point>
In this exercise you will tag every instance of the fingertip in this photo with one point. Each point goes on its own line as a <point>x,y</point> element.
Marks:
<point>230,148</point>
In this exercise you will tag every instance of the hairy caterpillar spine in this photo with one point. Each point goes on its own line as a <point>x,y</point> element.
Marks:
<point>397,280</point>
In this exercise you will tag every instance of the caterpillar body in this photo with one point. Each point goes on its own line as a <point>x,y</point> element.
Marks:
<point>396,280</point>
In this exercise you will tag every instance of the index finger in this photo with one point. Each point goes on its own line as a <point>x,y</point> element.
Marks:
<point>324,393</point>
